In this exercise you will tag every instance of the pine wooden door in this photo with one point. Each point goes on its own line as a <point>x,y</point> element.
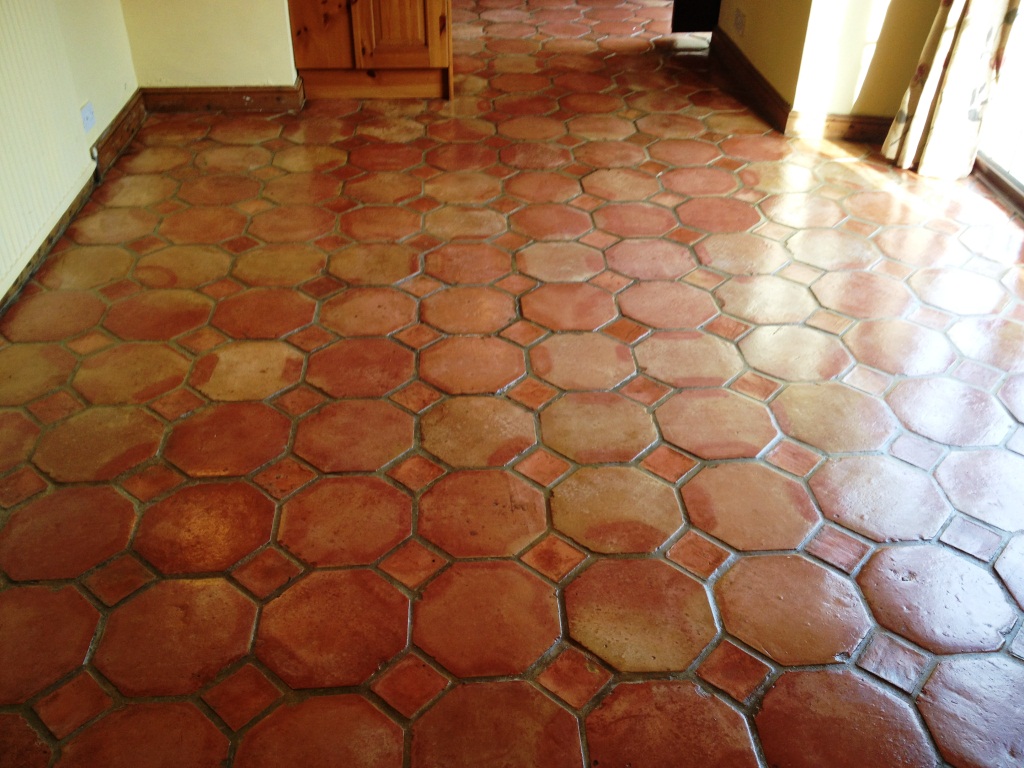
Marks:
<point>321,34</point>
<point>400,34</point>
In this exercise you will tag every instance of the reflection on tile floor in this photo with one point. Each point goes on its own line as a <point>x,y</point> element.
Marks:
<point>580,421</point>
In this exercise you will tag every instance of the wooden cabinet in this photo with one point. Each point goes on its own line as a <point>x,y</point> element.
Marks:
<point>373,48</point>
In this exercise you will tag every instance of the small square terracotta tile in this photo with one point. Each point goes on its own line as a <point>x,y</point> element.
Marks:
<point>704,278</point>
<point>284,478</point>
<point>574,677</point>
<point>977,375</point>
<point>299,400</point>
<point>421,285</point>
<point>20,485</point>
<point>586,202</point>
<point>240,244</point>
<point>145,245</point>
<point>837,548</point>
<point>523,332</point>
<point>266,572</point>
<point>543,467</point>
<point>698,555</point>
<point>75,703</point>
<point>418,336</point>
<point>417,397</point>
<point>626,330</point>
<point>668,463</point>
<point>775,231</point>
<point>202,340</point>
<point>734,670</point>
<point>867,380</point>
<point>310,338</point>
<point>412,564</point>
<point>610,281</point>
<point>222,289</point>
<point>685,235</point>
<point>756,386</point>
<point>510,241</point>
<point>517,285</point>
<point>727,327</point>
<point>321,287</point>
<point>1016,441</point>
<point>242,696</point>
<point>599,240</point>
<point>863,228</point>
<point>151,482</point>
<point>532,393</point>
<point>93,341</point>
<point>830,322</point>
<point>800,273</point>
<point>973,538</point>
<point>409,684</point>
<point>55,407</point>
<point>893,661</point>
<point>120,289</point>
<point>894,269</point>
<point>793,458</point>
<point>117,579</point>
<point>917,451</point>
<point>416,472</point>
<point>645,390</point>
<point>931,318</point>
<point>554,557</point>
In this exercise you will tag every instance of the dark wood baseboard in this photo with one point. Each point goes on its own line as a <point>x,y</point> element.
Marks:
<point>119,134</point>
<point>44,249</point>
<point>997,179</point>
<point>284,98</point>
<point>778,112</point>
<point>375,84</point>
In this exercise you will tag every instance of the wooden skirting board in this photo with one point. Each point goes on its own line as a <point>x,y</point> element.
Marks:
<point>119,134</point>
<point>284,98</point>
<point>376,84</point>
<point>762,96</point>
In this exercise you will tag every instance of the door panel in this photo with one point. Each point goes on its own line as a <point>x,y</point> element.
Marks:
<point>321,34</point>
<point>400,34</point>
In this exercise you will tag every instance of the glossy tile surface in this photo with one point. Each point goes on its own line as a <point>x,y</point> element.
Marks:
<point>581,421</point>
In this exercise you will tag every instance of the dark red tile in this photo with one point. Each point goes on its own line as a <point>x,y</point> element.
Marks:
<point>72,705</point>
<point>574,677</point>
<point>409,684</point>
<point>265,573</point>
<point>238,699</point>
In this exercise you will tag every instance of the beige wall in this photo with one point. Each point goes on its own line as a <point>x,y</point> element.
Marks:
<point>772,37</point>
<point>177,43</point>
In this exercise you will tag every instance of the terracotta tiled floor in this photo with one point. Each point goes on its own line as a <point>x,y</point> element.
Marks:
<point>580,421</point>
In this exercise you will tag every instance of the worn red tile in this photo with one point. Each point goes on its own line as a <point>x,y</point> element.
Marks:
<point>716,424</point>
<point>417,396</point>
<point>332,628</point>
<point>376,432</point>
<point>112,226</point>
<point>484,723</point>
<point>469,309</point>
<point>735,671</point>
<point>969,706</point>
<point>688,359</point>
<point>182,266</point>
<point>574,677</point>
<point>639,615</point>
<point>72,705</point>
<point>791,609</point>
<point>28,371</point>
<point>941,602</point>
<point>157,315</point>
<point>51,316</point>
<point>367,367</point>
<point>569,306</point>
<point>667,305</point>
<point>481,619</point>
<point>749,507</point>
<point>412,564</point>
<point>591,427</point>
<point>227,439</point>
<point>464,366</point>
<point>797,723</point>
<point>147,735</point>
<point>263,313</point>
<point>582,361</point>
<point>477,431</point>
<point>554,557</point>
<point>560,262</point>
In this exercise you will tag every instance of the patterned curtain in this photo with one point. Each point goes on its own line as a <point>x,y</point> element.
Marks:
<point>936,130</point>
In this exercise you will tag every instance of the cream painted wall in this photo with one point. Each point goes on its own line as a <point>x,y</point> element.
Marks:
<point>771,35</point>
<point>178,43</point>
<point>859,55</point>
<point>100,57</point>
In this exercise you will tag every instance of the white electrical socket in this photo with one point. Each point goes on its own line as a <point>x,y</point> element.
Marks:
<point>739,22</point>
<point>88,117</point>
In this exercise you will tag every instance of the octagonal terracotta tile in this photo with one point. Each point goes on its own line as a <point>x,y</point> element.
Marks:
<point>485,513</point>
<point>207,224</point>
<point>834,417</point>
<point>673,724</point>
<point>591,427</point>
<point>833,718</point>
<point>333,628</point>
<point>64,534</point>
<point>195,627</point>
<point>46,634</point>
<point>766,299</point>
<point>221,189</point>
<point>84,267</point>
<point>148,735</point>
<point>1010,567</point>
<point>970,706</point>
<point>98,444</point>
<point>569,306</point>
<point>792,610</point>
<point>620,184</point>
<point>864,295</point>
<point>950,412</point>
<point>900,347</point>
<point>650,259</point>
<point>582,361</point>
<point>959,291</point>
<point>345,521</point>
<point>375,433</point>
<point>469,309</point>
<point>247,370</point>
<point>130,374</point>
<point>362,367</point>
<point>992,340</point>
<point>615,509</point>
<point>716,424</point>
<point>18,437</point>
<point>880,497</point>
<point>988,485</point>
<point>279,265</point>
<point>718,215</point>
<point>490,723</point>
<point>51,316</point>
<point>30,370</point>
<point>560,262</point>
<point>661,304</point>
<point>182,266</point>
<point>480,619</point>
<point>688,358</point>
<point>940,601</point>
<point>1012,396</point>
<point>742,254</point>
<point>795,353</point>
<point>474,365</point>
<point>463,263</point>
<point>302,734</point>
<point>749,506</point>
<point>833,249</point>
<point>21,745</point>
<point>634,219</point>
<point>227,439</point>
<point>550,221</point>
<point>477,431</point>
<point>203,528</point>
<point>374,263</point>
<point>263,313</point>
<point>157,315</point>
<point>640,615</point>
